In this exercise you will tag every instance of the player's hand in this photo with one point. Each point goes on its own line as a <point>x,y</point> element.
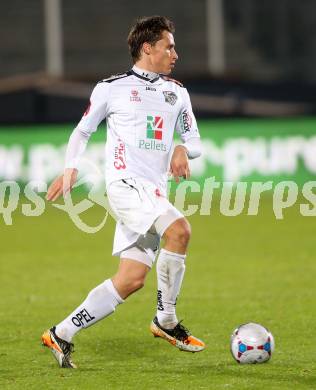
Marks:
<point>62,184</point>
<point>179,165</point>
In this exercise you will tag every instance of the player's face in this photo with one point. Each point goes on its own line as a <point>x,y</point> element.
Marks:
<point>163,54</point>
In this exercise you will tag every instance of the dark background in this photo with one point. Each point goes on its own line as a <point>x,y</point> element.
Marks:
<point>270,56</point>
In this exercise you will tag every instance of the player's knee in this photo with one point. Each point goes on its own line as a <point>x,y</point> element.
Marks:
<point>136,284</point>
<point>184,233</point>
<point>179,232</point>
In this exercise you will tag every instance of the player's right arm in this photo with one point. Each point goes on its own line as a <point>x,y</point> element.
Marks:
<point>95,113</point>
<point>62,184</point>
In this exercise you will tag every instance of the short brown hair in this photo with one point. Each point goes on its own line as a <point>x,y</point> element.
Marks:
<point>147,29</point>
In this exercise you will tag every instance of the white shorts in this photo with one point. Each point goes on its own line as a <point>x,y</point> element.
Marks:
<point>143,215</point>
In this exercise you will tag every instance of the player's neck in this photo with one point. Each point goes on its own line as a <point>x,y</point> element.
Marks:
<point>142,71</point>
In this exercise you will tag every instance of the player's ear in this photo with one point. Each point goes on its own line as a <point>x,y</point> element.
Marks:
<point>147,48</point>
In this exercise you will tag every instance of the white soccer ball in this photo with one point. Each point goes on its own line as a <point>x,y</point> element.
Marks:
<point>251,343</point>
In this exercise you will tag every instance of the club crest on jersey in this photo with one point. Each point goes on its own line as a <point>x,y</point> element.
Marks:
<point>170,97</point>
<point>134,96</point>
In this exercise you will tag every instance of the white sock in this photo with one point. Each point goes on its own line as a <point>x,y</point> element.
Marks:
<point>170,272</point>
<point>100,302</point>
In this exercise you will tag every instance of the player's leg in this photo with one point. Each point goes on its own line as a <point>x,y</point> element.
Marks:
<point>103,299</point>
<point>177,236</point>
<point>141,208</point>
<point>130,277</point>
<point>170,272</point>
<point>100,303</point>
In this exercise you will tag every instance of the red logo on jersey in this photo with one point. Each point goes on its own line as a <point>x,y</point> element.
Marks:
<point>119,156</point>
<point>134,96</point>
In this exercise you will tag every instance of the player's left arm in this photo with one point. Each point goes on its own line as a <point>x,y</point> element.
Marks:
<point>190,148</point>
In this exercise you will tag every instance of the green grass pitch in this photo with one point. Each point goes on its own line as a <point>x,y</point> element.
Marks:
<point>239,269</point>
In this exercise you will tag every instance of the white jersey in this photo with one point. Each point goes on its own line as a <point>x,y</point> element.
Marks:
<point>142,114</point>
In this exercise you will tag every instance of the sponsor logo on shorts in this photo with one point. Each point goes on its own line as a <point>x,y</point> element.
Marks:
<point>157,192</point>
<point>82,318</point>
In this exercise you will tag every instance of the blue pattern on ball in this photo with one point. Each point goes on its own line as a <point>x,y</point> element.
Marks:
<point>267,347</point>
<point>242,348</point>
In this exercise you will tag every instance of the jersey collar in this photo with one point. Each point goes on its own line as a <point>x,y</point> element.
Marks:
<point>145,74</point>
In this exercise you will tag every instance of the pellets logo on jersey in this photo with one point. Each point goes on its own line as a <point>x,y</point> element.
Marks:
<point>154,127</point>
<point>170,97</point>
<point>154,134</point>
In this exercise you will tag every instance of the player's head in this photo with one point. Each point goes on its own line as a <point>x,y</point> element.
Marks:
<point>151,44</point>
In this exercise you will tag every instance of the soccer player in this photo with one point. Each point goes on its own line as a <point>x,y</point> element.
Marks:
<point>142,108</point>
